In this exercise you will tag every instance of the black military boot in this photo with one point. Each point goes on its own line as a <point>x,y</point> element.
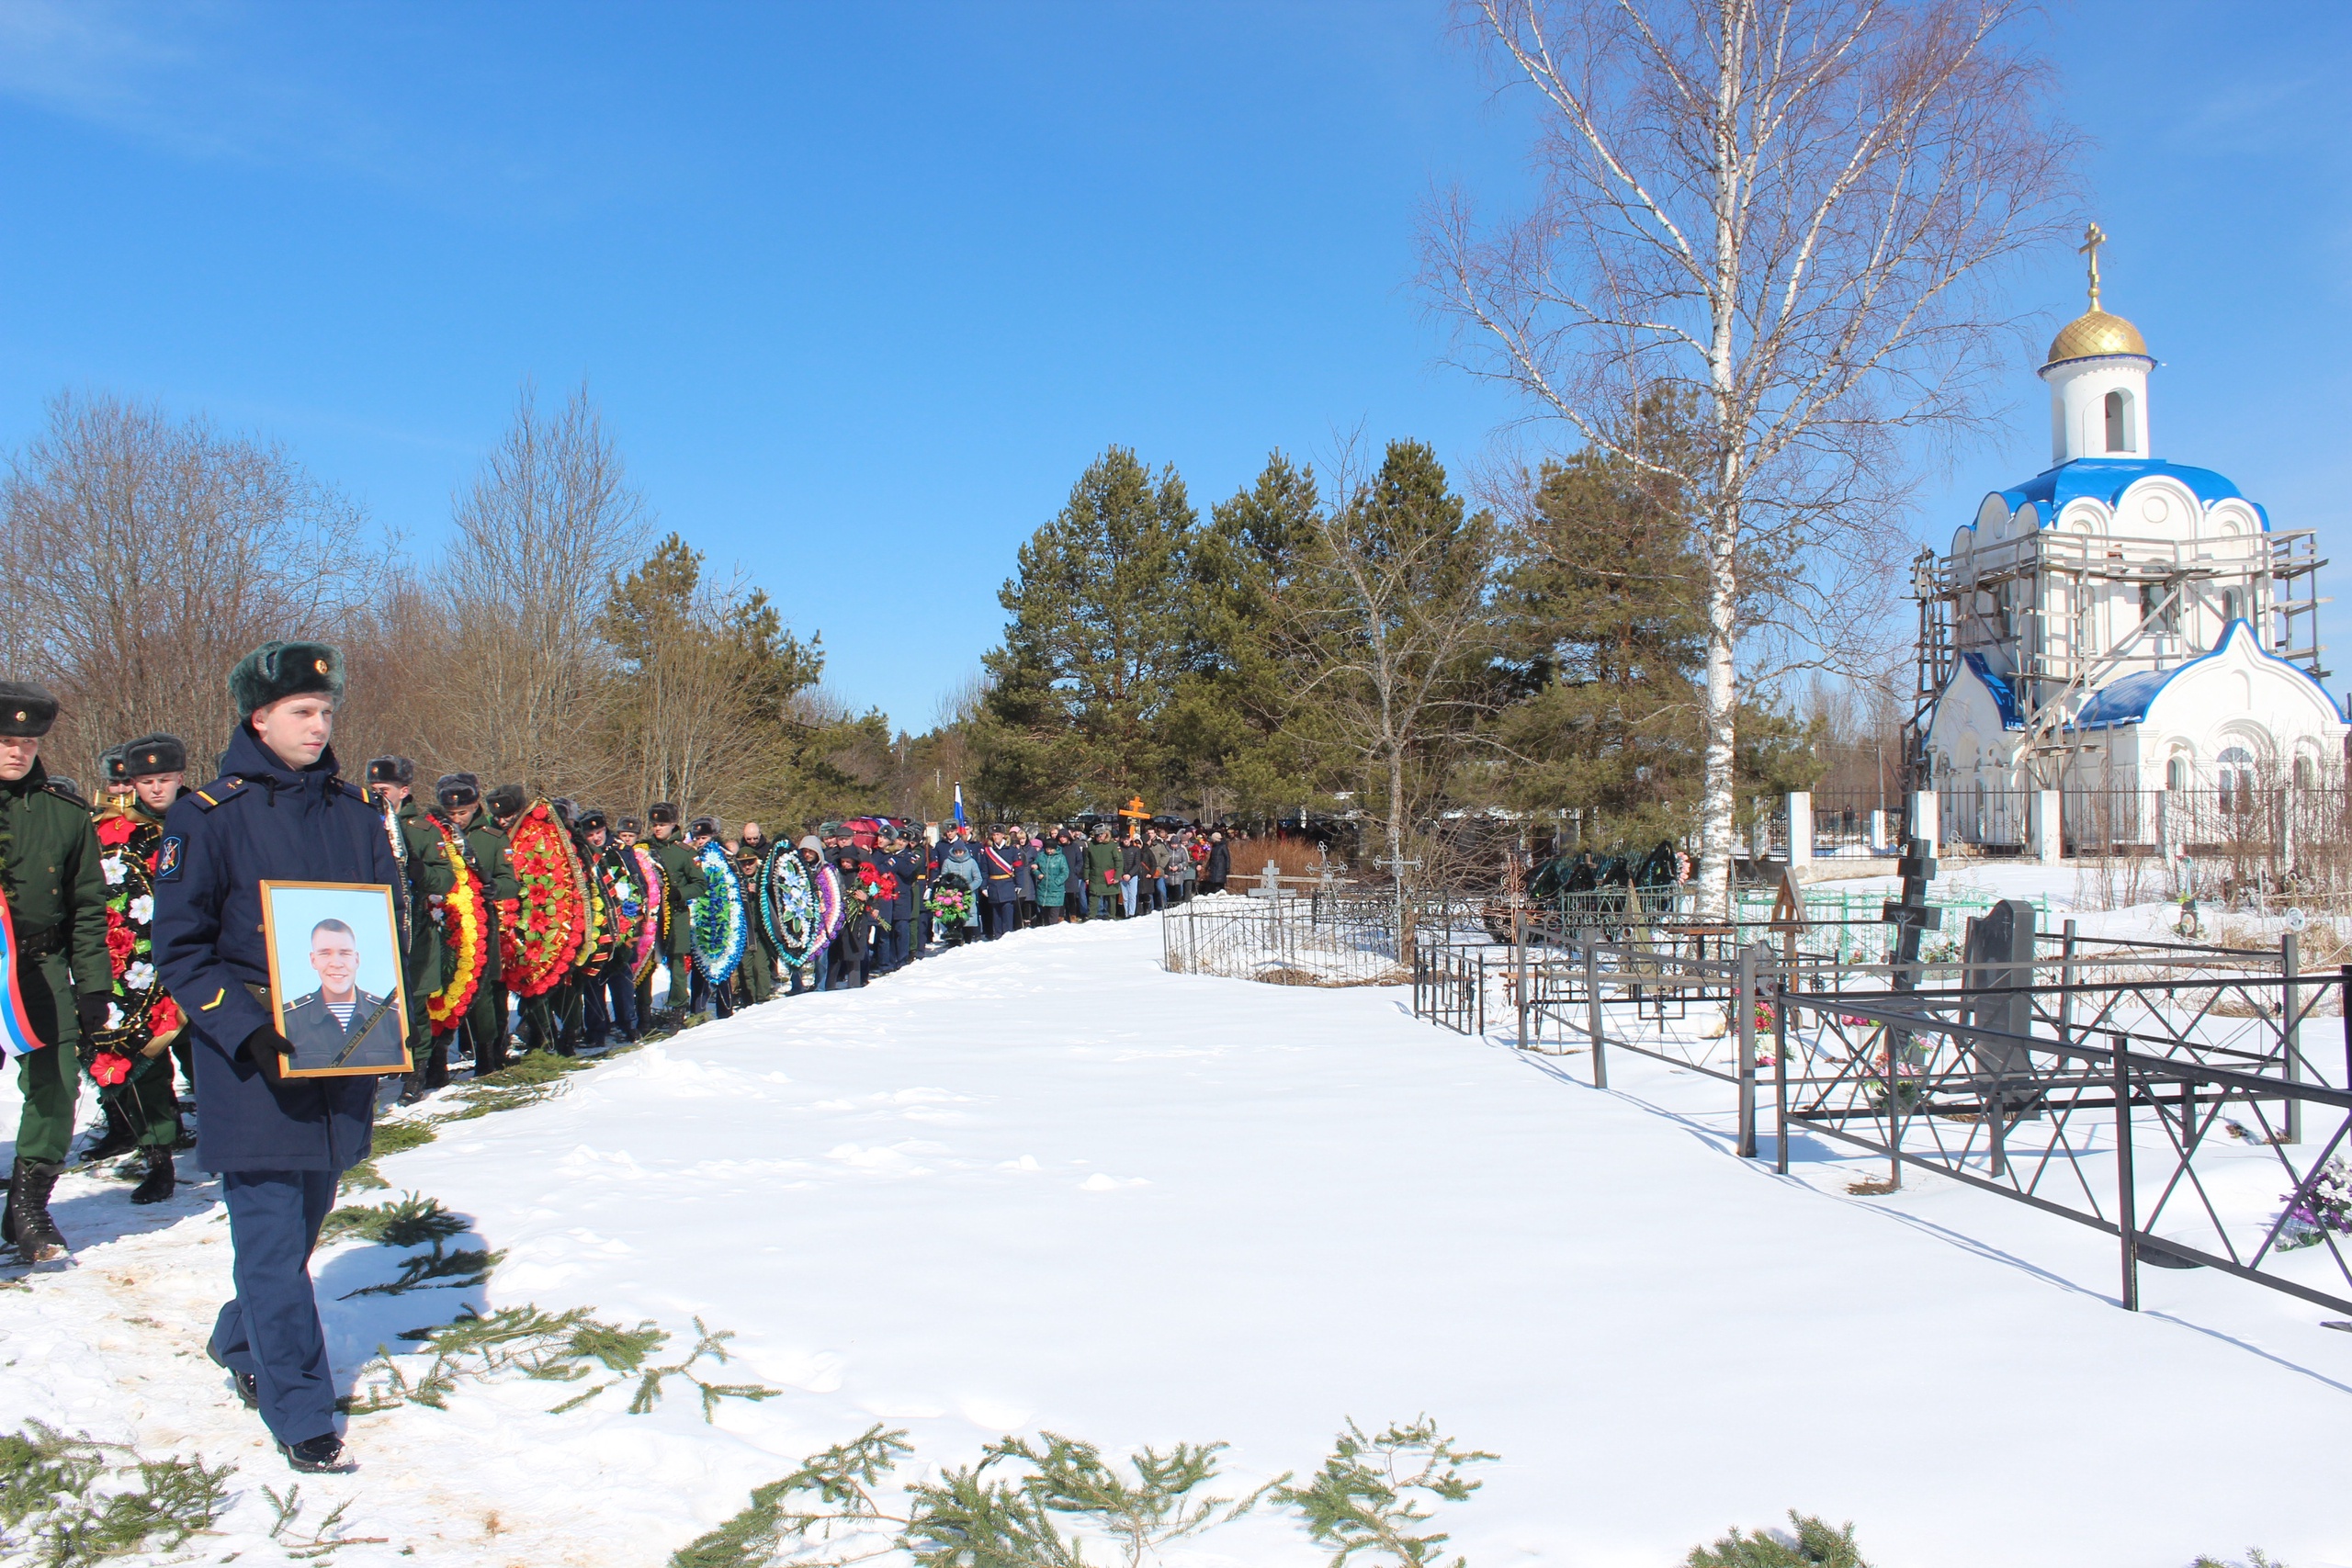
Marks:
<point>119,1137</point>
<point>157,1186</point>
<point>317,1456</point>
<point>29,1228</point>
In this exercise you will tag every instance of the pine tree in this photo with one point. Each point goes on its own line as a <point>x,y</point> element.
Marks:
<point>1095,646</point>
<point>1229,724</point>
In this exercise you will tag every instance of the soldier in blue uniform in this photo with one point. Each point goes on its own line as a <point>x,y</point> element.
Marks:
<point>280,812</point>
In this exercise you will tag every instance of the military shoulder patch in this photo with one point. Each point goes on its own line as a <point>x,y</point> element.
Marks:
<point>167,858</point>
<point>216,791</point>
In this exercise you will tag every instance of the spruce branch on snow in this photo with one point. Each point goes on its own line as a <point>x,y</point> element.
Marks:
<point>323,1540</point>
<point>1814,1545</point>
<point>1362,1499</point>
<point>413,1221</point>
<point>64,1502</point>
<point>550,1347</point>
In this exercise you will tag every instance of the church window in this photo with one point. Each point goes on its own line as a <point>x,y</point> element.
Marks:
<point>2235,776</point>
<point>2233,605</point>
<point>2176,773</point>
<point>2306,772</point>
<point>2119,422</point>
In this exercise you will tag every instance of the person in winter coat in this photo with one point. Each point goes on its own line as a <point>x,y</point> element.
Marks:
<point>908,866</point>
<point>1102,873</point>
<point>852,946</point>
<point>959,865</point>
<point>1024,880</point>
<point>1001,864</point>
<point>1052,872</point>
<point>1071,847</point>
<point>1218,866</point>
<point>279,813</point>
<point>817,975</point>
<point>1134,864</point>
<point>1179,869</point>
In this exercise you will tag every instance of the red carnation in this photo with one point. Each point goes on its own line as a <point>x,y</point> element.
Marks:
<point>120,939</point>
<point>109,1068</point>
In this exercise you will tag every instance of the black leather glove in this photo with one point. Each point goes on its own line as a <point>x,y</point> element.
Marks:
<point>266,1049</point>
<point>91,1011</point>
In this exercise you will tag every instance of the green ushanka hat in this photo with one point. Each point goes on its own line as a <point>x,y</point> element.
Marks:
<point>276,670</point>
<point>25,710</point>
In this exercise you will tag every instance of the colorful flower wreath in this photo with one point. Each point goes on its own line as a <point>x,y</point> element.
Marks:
<point>550,918</point>
<point>463,917</point>
<point>140,1012</point>
<point>719,924</point>
<point>646,949</point>
<point>789,908</point>
<point>950,902</point>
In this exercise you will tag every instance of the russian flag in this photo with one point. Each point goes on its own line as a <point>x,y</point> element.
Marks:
<point>959,805</point>
<point>16,1035</point>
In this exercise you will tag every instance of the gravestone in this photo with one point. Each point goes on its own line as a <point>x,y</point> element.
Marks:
<point>1996,960</point>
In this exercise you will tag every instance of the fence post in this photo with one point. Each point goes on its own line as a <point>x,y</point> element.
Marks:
<point>1798,804</point>
<point>1925,821</point>
<point>1745,1002</point>
<point>1592,1014</point>
<point>1781,1075</point>
<point>1518,964</point>
<point>2127,1215</point>
<point>2290,1030</point>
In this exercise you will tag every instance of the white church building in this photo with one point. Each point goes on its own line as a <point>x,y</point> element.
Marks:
<point>2128,631</point>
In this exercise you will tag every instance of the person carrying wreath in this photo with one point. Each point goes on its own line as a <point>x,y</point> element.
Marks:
<point>128,1055</point>
<point>280,812</point>
<point>483,1028</point>
<point>682,882</point>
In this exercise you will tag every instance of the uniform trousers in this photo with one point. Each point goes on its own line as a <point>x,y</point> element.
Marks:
<point>270,1328</point>
<point>49,1080</point>
<point>612,1004</point>
<point>903,950</point>
<point>485,1026</point>
<point>758,972</point>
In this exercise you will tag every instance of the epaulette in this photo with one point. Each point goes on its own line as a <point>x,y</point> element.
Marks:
<point>216,791</point>
<point>53,787</point>
<point>356,791</point>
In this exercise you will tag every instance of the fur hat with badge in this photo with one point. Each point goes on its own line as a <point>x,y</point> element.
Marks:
<point>453,790</point>
<point>392,770</point>
<point>662,813</point>
<point>154,753</point>
<point>25,710</point>
<point>276,670</point>
<point>111,768</point>
<point>506,801</point>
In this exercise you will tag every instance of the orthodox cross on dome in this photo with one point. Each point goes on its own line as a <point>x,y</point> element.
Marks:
<point>2093,238</point>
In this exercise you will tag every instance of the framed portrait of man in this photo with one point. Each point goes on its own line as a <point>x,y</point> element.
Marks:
<point>335,978</point>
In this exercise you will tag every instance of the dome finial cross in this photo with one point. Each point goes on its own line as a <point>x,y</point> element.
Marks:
<point>2093,238</point>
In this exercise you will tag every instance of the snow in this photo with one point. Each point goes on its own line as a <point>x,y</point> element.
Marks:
<point>1043,1184</point>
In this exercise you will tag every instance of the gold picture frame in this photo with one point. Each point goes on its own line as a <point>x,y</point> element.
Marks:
<point>336,990</point>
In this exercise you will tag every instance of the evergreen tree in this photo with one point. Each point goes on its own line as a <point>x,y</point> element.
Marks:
<point>1228,727</point>
<point>1095,647</point>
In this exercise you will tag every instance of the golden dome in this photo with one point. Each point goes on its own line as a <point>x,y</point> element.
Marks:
<point>2095,333</point>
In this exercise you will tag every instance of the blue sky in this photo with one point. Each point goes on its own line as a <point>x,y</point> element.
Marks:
<point>862,288</point>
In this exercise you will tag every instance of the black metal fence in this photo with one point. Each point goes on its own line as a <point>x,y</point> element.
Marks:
<point>2194,1102</point>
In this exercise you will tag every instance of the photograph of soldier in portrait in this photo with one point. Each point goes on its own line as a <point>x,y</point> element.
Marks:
<point>335,978</point>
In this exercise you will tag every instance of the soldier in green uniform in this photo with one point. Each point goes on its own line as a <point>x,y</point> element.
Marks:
<point>57,904</point>
<point>459,795</point>
<point>128,1055</point>
<point>758,971</point>
<point>682,881</point>
<point>425,864</point>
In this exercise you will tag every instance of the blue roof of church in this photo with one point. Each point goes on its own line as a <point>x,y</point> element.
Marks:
<point>2005,696</point>
<point>2127,701</point>
<point>2105,479</point>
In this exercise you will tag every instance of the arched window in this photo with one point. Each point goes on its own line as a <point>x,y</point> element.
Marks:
<point>2232,606</point>
<point>2235,773</point>
<point>2176,773</point>
<point>2306,772</point>
<point>2119,422</point>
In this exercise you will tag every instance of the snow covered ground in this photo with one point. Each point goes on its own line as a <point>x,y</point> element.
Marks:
<point>1044,1184</point>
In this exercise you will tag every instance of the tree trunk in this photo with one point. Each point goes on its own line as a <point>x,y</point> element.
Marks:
<point>1722,706</point>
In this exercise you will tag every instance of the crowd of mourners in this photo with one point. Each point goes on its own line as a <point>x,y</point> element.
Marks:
<point>135,939</point>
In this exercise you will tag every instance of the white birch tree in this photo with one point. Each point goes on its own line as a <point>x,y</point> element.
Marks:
<point>1795,211</point>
